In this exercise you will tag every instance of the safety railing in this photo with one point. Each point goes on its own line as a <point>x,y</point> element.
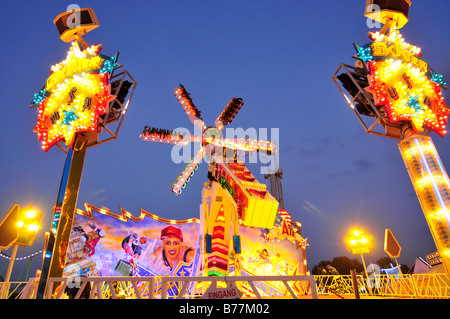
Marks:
<point>340,286</point>
<point>423,286</point>
<point>432,285</point>
<point>12,289</point>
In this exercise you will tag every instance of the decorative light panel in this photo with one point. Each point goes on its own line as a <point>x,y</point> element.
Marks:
<point>76,94</point>
<point>403,83</point>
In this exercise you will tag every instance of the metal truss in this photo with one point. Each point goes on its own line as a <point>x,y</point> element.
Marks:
<point>372,117</point>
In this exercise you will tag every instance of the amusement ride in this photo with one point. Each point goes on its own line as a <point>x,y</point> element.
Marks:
<point>391,89</point>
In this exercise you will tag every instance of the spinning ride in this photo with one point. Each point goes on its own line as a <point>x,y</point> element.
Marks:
<point>233,196</point>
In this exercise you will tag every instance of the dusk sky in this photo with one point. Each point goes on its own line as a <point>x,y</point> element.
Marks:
<point>278,56</point>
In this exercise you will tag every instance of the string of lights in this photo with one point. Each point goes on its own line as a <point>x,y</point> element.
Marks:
<point>21,258</point>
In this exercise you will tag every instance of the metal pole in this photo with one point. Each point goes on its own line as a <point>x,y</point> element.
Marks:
<point>9,271</point>
<point>364,265</point>
<point>55,254</point>
<point>398,267</point>
<point>11,262</point>
<point>367,275</point>
<point>279,175</point>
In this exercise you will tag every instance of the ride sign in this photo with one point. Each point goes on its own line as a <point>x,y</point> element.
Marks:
<point>76,94</point>
<point>231,292</point>
<point>391,246</point>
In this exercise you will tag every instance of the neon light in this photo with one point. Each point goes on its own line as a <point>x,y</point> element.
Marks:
<point>432,186</point>
<point>439,79</point>
<point>365,54</point>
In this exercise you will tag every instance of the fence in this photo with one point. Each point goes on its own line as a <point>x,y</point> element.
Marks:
<point>421,286</point>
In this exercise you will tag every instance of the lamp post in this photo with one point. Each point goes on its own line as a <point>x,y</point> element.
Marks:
<point>27,225</point>
<point>359,243</point>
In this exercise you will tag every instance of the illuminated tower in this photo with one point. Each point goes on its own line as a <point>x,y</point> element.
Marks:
<point>395,93</point>
<point>82,97</point>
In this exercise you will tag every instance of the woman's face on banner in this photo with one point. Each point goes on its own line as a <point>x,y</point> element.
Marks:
<point>172,247</point>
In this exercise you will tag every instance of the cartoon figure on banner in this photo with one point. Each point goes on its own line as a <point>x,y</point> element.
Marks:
<point>132,245</point>
<point>266,264</point>
<point>263,257</point>
<point>172,252</point>
<point>278,265</point>
<point>90,238</point>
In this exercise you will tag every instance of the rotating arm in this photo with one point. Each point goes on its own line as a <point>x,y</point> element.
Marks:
<point>189,107</point>
<point>229,113</point>
<point>188,171</point>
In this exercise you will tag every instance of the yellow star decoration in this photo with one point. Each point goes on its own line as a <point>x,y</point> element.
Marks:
<point>401,81</point>
<point>77,94</point>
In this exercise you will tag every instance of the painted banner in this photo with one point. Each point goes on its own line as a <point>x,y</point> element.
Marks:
<point>103,243</point>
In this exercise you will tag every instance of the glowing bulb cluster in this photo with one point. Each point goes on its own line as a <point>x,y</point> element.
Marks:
<point>358,242</point>
<point>403,83</point>
<point>77,92</point>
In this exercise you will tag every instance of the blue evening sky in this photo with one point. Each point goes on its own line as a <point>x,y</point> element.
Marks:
<point>278,56</point>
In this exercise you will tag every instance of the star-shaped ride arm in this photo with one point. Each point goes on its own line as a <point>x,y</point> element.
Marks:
<point>229,113</point>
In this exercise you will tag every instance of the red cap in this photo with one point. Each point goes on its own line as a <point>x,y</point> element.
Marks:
<point>171,231</point>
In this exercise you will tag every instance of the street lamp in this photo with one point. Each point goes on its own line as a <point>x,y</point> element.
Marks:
<point>28,225</point>
<point>359,243</point>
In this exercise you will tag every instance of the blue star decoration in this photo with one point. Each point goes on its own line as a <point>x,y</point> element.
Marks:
<point>365,54</point>
<point>414,103</point>
<point>39,97</point>
<point>69,117</point>
<point>109,65</point>
<point>438,78</point>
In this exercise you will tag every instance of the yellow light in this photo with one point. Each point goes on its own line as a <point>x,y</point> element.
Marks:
<point>358,242</point>
<point>32,227</point>
<point>20,224</point>
<point>30,214</point>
